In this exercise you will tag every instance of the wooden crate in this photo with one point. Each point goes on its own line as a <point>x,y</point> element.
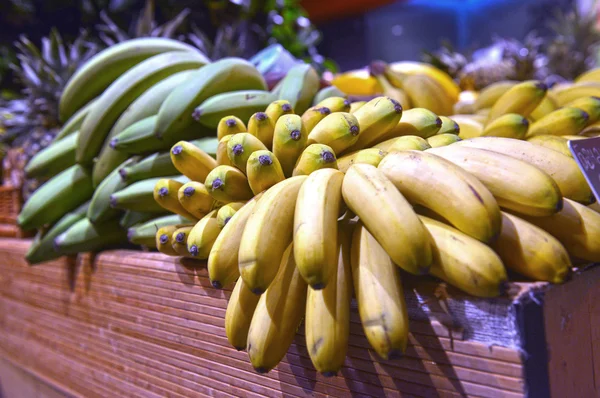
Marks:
<point>128,323</point>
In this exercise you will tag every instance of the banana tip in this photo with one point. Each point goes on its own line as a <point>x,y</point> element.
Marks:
<point>438,122</point>
<point>542,86</point>
<point>395,354</point>
<point>130,233</point>
<point>230,122</point>
<point>113,143</point>
<point>324,110</point>
<point>177,149</point>
<point>194,251</point>
<point>180,237</point>
<point>217,183</point>
<point>163,239</point>
<point>286,107</point>
<point>237,149</point>
<point>328,156</point>
<point>354,130</point>
<point>377,68</point>
<point>216,284</point>
<point>162,192</point>
<point>503,288</point>
<point>113,201</point>
<point>260,116</point>
<point>559,204</point>
<point>189,191</point>
<point>257,291</point>
<point>261,370</point>
<point>123,174</point>
<point>239,348</point>
<point>318,286</point>
<point>295,135</point>
<point>265,160</point>
<point>331,373</point>
<point>196,114</point>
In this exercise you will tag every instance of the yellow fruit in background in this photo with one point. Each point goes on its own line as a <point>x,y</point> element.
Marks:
<point>357,82</point>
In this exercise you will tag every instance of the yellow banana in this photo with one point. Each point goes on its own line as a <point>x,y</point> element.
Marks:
<point>407,143</point>
<point>440,185</point>
<point>238,315</point>
<point>416,121</point>
<point>327,320</point>
<point>313,116</point>
<point>592,75</point>
<point>240,147</point>
<point>388,216</point>
<point>574,137</point>
<point>228,184</point>
<point>202,237</point>
<point>262,127</point>
<point>192,161</point>
<point>449,126</point>
<point>164,242</point>
<point>335,104</point>
<point>578,90</point>
<point>425,92</point>
<point>370,156</point>
<point>277,316</point>
<point>268,232</point>
<point>179,240</point>
<point>338,130</point>
<point>464,262</point>
<point>222,157</point>
<point>516,184</point>
<point>554,142</point>
<point>315,157</point>
<point>230,125</point>
<point>470,127</point>
<point>195,199</point>
<point>545,107</point>
<point>356,105</point>
<point>522,98</point>
<point>595,206</point>
<point>356,82</point>
<point>490,94</point>
<point>315,226</point>
<point>443,140</point>
<point>510,125</point>
<point>289,141</point>
<point>590,105</point>
<point>411,68</point>
<point>278,108</point>
<point>592,130</point>
<point>564,121</point>
<point>264,171</point>
<point>166,195</point>
<point>379,295</point>
<point>225,213</point>
<point>561,168</point>
<point>223,267</point>
<point>531,251</point>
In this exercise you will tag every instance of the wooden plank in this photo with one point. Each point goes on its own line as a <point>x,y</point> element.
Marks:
<point>17,381</point>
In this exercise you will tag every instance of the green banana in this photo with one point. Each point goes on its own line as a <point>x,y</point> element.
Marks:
<point>132,217</point>
<point>122,92</point>
<point>143,232</point>
<point>299,87</point>
<point>225,75</point>
<point>328,92</point>
<point>42,248</point>
<point>106,67</point>
<point>241,104</point>
<point>61,194</point>
<point>155,165</point>
<point>139,196</point>
<point>83,236</point>
<point>53,159</point>
<point>74,123</point>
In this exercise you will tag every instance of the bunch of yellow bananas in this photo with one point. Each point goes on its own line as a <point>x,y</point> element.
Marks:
<point>303,212</point>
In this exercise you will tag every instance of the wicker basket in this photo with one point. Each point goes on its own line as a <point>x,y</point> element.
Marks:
<point>11,198</point>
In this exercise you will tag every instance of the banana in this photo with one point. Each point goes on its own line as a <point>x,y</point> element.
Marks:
<point>379,295</point>
<point>561,168</point>
<point>439,140</point>
<point>83,236</point>
<point>327,319</point>
<point>376,119</point>
<point>179,240</point>
<point>425,92</point>
<point>222,157</point>
<point>356,82</point>
<point>139,196</point>
<point>223,266</point>
<point>554,142</point>
<point>335,104</point>
<point>449,126</point>
<point>377,69</point>
<point>326,93</point>
<point>277,316</point>
<point>416,121</point>
<point>516,184</point>
<point>122,92</point>
<point>531,251</point>
<point>470,127</point>
<point>240,147</point>
<point>202,237</point>
<point>388,216</point>
<point>226,75</point>
<point>166,194</point>
<point>564,121</point>
<point>315,157</point>
<point>132,218</point>
<point>241,104</point>
<point>590,105</point>
<point>42,248</point>
<point>440,185</point>
<point>74,123</point>
<point>145,232</point>
<point>264,171</point>
<point>230,125</point>
<point>55,198</point>
<point>278,108</point>
<point>238,315</point>
<point>545,107</point>
<point>522,98</point>
<point>577,227</point>
<point>195,199</point>
<point>146,105</point>
<point>299,87</point>
<point>370,156</point>
<point>164,242</point>
<point>155,165</point>
<point>592,130</point>
<point>268,232</point>
<point>578,90</point>
<point>228,184</point>
<point>574,137</point>
<point>192,161</point>
<point>338,130</point>
<point>591,75</point>
<point>99,208</point>
<point>225,213</point>
<point>510,125</point>
<point>356,105</point>
<point>595,206</point>
<point>313,116</point>
<point>405,143</point>
<point>464,262</point>
<point>262,127</point>
<point>55,158</point>
<point>289,140</point>
<point>489,95</point>
<point>420,68</point>
<point>315,224</point>
<point>109,65</point>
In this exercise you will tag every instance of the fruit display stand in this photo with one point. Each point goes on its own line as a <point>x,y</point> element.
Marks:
<point>127,323</point>
<point>10,205</point>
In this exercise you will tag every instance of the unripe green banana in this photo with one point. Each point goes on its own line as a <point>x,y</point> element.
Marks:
<point>53,159</point>
<point>490,94</point>
<point>510,125</point>
<point>55,198</point>
<point>522,98</point>
<point>338,130</point>
<point>404,143</point>
<point>192,161</point>
<point>222,157</point>
<point>179,240</point>
<point>225,213</point>
<point>554,142</point>
<point>228,184</point>
<point>439,140</point>
<point>262,127</point>
<point>278,108</point>
<point>202,237</point>
<point>131,218</point>
<point>241,104</point>
<point>139,196</point>
<point>416,121</point>
<point>195,199</point>
<point>299,87</point>
<point>449,126</point>
<point>564,121</point>
<point>164,240</point>
<point>263,171</point>
<point>370,156</point>
<point>289,140</point>
<point>335,104</point>
<point>155,165</point>
<point>329,92</point>
<point>240,147</point>
<point>590,105</point>
<point>74,123</point>
<point>238,316</point>
<point>83,236</point>
<point>313,158</point>
<point>146,231</point>
<point>230,125</point>
<point>313,116</point>
<point>225,75</point>
<point>165,194</point>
